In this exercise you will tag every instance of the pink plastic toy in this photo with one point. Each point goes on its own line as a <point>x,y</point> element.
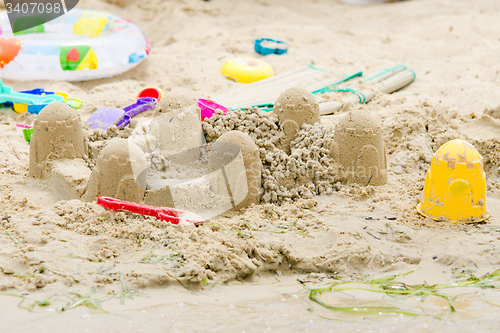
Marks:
<point>208,108</point>
<point>24,126</point>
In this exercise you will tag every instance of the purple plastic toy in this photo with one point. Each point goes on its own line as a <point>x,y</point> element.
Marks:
<point>108,116</point>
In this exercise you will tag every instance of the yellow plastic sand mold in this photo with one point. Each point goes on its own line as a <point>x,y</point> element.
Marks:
<point>246,70</point>
<point>455,185</point>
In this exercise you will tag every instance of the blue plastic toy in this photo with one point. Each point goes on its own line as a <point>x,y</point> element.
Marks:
<point>7,95</point>
<point>280,46</point>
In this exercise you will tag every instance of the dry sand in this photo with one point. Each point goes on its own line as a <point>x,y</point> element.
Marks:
<point>453,46</point>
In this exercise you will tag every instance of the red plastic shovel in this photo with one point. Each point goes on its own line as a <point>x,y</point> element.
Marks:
<point>171,215</point>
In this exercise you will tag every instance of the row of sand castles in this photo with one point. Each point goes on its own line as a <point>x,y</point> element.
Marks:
<point>285,156</point>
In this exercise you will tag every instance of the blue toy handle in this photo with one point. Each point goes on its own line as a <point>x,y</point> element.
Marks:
<point>38,91</point>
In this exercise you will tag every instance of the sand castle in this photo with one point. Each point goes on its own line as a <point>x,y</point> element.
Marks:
<point>120,172</point>
<point>172,102</point>
<point>57,149</point>
<point>294,107</point>
<point>252,172</point>
<point>319,158</point>
<point>177,124</point>
<point>194,176</point>
<point>359,146</point>
<point>166,162</point>
<point>57,134</point>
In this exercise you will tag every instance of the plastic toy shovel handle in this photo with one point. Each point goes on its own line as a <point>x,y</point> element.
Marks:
<point>37,91</point>
<point>141,105</point>
<point>169,215</point>
<point>115,204</point>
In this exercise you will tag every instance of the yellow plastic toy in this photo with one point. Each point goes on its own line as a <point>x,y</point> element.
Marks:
<point>246,70</point>
<point>455,186</point>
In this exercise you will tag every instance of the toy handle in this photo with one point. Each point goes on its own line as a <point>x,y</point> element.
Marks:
<point>115,204</point>
<point>141,105</point>
<point>37,91</point>
<point>165,214</point>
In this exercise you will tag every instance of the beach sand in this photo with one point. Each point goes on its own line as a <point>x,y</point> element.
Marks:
<point>238,272</point>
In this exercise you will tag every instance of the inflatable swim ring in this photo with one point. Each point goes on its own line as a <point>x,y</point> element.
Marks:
<point>80,45</point>
<point>246,70</point>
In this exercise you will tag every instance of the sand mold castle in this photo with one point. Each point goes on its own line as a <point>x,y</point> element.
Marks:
<point>250,155</point>
<point>300,156</point>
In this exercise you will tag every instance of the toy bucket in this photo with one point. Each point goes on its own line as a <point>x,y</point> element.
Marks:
<point>27,134</point>
<point>208,108</point>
